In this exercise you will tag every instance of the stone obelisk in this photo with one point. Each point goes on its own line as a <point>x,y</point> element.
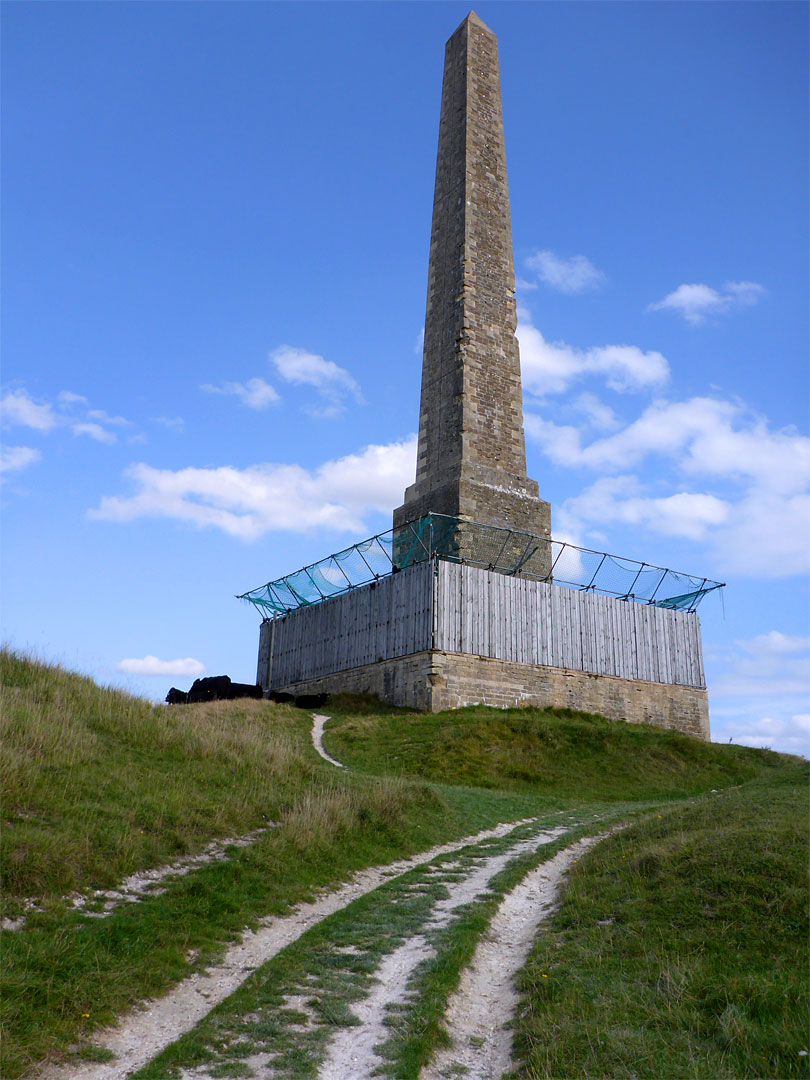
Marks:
<point>472,455</point>
<point>454,626</point>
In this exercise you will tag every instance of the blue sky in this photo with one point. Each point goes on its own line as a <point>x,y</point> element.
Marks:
<point>215,255</point>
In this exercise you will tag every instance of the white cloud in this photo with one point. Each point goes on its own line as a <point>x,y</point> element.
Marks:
<point>151,665</point>
<point>755,514</point>
<point>299,367</point>
<point>760,691</point>
<point>760,535</point>
<point>766,536</point>
<point>574,275</point>
<point>618,499</point>
<point>706,436</point>
<point>597,413</point>
<point>744,293</point>
<point>67,397</point>
<point>255,393</point>
<point>93,431</point>
<point>775,644</point>
<point>18,408</point>
<point>550,367</point>
<point>698,302</point>
<point>332,382</point>
<point>173,423</point>
<point>326,410</point>
<point>787,734</point>
<point>14,458</point>
<point>104,418</point>
<point>247,503</point>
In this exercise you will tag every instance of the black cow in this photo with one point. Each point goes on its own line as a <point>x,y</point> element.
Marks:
<point>214,688</point>
<point>280,698</point>
<point>241,689</point>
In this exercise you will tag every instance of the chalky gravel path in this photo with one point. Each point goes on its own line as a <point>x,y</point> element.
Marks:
<point>318,721</point>
<point>478,1014</point>
<point>143,1034</point>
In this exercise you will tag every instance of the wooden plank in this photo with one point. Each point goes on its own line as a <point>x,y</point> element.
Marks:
<point>458,608</point>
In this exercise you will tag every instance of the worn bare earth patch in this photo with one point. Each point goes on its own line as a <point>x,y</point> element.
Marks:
<point>142,1034</point>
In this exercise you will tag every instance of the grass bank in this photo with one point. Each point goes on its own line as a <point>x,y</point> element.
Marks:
<point>559,752</point>
<point>680,948</point>
<point>99,784</point>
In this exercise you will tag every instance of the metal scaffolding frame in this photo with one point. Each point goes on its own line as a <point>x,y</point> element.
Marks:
<point>506,551</point>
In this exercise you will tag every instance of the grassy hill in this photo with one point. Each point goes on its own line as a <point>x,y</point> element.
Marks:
<point>98,784</point>
<point>560,752</point>
<point>681,946</point>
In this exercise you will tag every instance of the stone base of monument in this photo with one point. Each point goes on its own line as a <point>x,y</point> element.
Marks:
<point>441,635</point>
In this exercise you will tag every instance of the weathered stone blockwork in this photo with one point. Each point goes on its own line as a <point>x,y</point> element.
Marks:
<point>472,455</point>
<point>432,681</point>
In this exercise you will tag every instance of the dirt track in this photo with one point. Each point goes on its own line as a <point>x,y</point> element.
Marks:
<point>436,887</point>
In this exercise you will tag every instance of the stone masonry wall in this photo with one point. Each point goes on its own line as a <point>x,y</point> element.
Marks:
<point>472,456</point>
<point>403,681</point>
<point>459,680</point>
<point>433,681</point>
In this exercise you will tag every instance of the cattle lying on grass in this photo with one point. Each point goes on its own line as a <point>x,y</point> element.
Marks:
<point>301,701</point>
<point>220,688</point>
<point>243,689</point>
<point>215,688</point>
<point>310,701</point>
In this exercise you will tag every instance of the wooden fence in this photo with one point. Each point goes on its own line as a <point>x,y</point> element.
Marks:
<point>454,608</point>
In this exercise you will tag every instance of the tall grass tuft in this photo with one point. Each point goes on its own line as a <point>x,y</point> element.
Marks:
<point>318,816</point>
<point>98,784</point>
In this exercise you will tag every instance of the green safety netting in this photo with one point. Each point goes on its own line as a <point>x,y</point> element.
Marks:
<point>507,551</point>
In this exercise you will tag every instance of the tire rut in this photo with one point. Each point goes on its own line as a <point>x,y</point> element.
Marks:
<point>145,1032</point>
<point>481,1010</point>
<point>345,1002</point>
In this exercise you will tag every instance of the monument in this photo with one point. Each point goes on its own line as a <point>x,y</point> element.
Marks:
<point>471,460</point>
<point>468,599</point>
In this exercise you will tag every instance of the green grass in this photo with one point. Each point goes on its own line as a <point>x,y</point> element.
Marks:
<point>701,933</point>
<point>554,752</point>
<point>680,948</point>
<point>98,784</point>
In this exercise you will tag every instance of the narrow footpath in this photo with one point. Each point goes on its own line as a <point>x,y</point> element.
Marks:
<point>337,987</point>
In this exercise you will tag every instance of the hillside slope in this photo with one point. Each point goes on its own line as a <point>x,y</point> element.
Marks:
<point>573,755</point>
<point>681,946</point>
<point>99,784</point>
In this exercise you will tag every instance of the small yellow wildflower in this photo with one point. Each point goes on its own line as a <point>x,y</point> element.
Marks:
<point>545,976</point>
<point>85,1016</point>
